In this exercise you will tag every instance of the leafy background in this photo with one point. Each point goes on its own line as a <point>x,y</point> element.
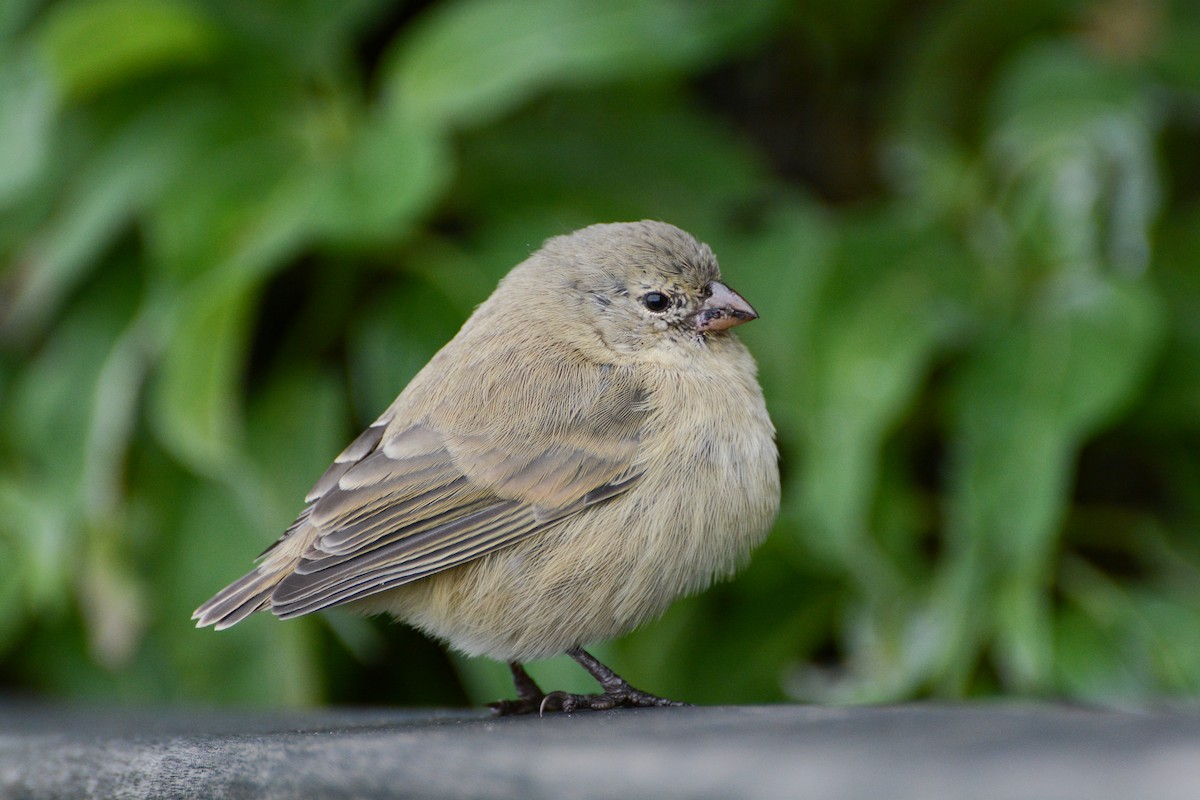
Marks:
<point>230,231</point>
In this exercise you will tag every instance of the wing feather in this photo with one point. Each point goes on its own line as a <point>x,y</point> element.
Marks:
<point>395,564</point>
<point>405,501</point>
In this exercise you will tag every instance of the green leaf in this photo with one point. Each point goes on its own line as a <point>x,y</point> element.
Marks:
<point>48,411</point>
<point>1176,53</point>
<point>1073,147</point>
<point>610,155</point>
<point>470,60</point>
<point>262,661</point>
<point>27,109</point>
<point>1023,406</point>
<point>197,393</point>
<point>214,242</point>
<point>315,36</point>
<point>375,189</point>
<point>295,427</point>
<point>15,15</point>
<point>46,420</point>
<point>946,69</point>
<point>1143,626</point>
<point>1170,403</point>
<point>876,326</point>
<point>13,568</point>
<point>393,338</point>
<point>122,175</point>
<point>40,537</point>
<point>96,44</point>
<point>241,202</point>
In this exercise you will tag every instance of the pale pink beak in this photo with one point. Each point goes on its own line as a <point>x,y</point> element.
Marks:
<point>723,309</point>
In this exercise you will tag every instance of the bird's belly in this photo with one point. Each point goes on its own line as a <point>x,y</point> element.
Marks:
<point>692,518</point>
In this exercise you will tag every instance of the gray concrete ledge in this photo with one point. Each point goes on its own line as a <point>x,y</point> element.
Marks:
<point>914,751</point>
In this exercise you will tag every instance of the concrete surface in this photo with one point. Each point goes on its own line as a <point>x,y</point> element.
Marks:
<point>914,751</point>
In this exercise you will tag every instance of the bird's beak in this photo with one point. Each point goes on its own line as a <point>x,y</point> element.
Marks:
<point>723,309</point>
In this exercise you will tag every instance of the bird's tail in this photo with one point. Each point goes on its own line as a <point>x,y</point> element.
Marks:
<point>252,592</point>
<point>240,599</point>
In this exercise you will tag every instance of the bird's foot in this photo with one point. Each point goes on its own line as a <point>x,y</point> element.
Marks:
<point>617,693</point>
<point>512,708</point>
<point>622,697</point>
<point>628,697</point>
<point>530,697</point>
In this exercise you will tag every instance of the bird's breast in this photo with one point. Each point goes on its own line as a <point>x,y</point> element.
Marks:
<point>708,493</point>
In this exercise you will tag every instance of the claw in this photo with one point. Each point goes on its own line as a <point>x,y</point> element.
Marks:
<point>617,693</point>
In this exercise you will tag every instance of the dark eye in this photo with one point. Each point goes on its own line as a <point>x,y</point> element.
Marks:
<point>656,301</point>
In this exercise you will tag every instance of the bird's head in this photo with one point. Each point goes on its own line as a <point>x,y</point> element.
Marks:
<point>643,287</point>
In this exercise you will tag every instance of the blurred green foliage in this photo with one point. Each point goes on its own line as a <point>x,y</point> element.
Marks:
<point>231,231</point>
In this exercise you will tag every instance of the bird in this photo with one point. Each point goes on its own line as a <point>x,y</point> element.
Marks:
<point>591,445</point>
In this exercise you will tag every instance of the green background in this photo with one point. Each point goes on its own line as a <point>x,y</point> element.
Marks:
<point>231,230</point>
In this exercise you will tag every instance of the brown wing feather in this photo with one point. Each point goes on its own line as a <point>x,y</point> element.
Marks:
<point>402,503</point>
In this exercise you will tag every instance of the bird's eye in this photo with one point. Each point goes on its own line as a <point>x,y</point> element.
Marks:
<point>656,301</point>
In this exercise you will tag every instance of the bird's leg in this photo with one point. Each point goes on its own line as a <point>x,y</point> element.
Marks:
<point>617,692</point>
<point>529,695</point>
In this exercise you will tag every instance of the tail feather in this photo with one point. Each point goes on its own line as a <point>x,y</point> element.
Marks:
<point>252,592</point>
<point>238,600</point>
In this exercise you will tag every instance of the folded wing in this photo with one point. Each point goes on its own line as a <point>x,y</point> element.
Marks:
<point>403,503</point>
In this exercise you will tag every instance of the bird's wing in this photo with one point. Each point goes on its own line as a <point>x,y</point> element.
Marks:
<point>406,502</point>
